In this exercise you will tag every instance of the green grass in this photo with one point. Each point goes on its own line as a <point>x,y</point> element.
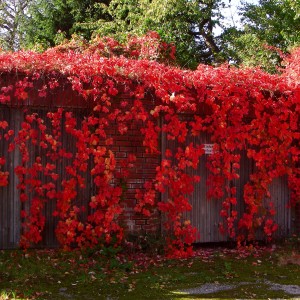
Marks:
<point>53,274</point>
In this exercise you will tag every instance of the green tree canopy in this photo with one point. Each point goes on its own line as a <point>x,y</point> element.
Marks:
<point>188,24</point>
<point>49,21</point>
<point>268,25</point>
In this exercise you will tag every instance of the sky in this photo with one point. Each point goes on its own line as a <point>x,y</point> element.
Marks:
<point>231,13</point>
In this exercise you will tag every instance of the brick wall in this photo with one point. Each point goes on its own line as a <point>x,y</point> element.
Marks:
<point>143,170</point>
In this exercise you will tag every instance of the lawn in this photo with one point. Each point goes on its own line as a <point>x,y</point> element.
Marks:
<point>54,274</point>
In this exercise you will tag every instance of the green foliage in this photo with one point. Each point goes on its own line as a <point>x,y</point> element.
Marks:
<point>248,50</point>
<point>187,24</point>
<point>46,20</point>
<point>48,23</point>
<point>272,23</point>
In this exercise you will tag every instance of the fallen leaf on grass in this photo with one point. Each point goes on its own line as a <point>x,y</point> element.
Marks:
<point>131,287</point>
<point>93,278</point>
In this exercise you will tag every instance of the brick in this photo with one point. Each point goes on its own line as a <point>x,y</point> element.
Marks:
<point>149,155</point>
<point>136,133</point>
<point>111,132</point>
<point>123,143</point>
<point>124,137</point>
<point>135,180</point>
<point>129,204</point>
<point>130,192</point>
<point>147,175</point>
<point>140,222</point>
<point>134,185</point>
<point>137,227</point>
<point>138,216</point>
<point>121,154</point>
<point>153,221</point>
<point>152,160</point>
<point>114,148</point>
<point>150,228</point>
<point>140,162</point>
<point>141,149</point>
<point>127,148</point>
<point>138,137</point>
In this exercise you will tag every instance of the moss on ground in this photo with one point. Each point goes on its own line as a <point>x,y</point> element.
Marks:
<point>57,275</point>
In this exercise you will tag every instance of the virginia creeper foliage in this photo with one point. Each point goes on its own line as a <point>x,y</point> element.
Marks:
<point>243,110</point>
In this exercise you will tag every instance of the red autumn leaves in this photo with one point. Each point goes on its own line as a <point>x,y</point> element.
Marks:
<point>241,109</point>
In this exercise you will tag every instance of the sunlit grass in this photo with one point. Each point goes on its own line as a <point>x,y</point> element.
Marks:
<point>10,296</point>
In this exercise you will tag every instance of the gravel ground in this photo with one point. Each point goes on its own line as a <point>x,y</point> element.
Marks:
<point>289,289</point>
<point>209,288</point>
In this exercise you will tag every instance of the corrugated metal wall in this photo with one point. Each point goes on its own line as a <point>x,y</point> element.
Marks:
<point>205,214</point>
<point>280,197</point>
<point>10,205</point>
<point>68,143</point>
